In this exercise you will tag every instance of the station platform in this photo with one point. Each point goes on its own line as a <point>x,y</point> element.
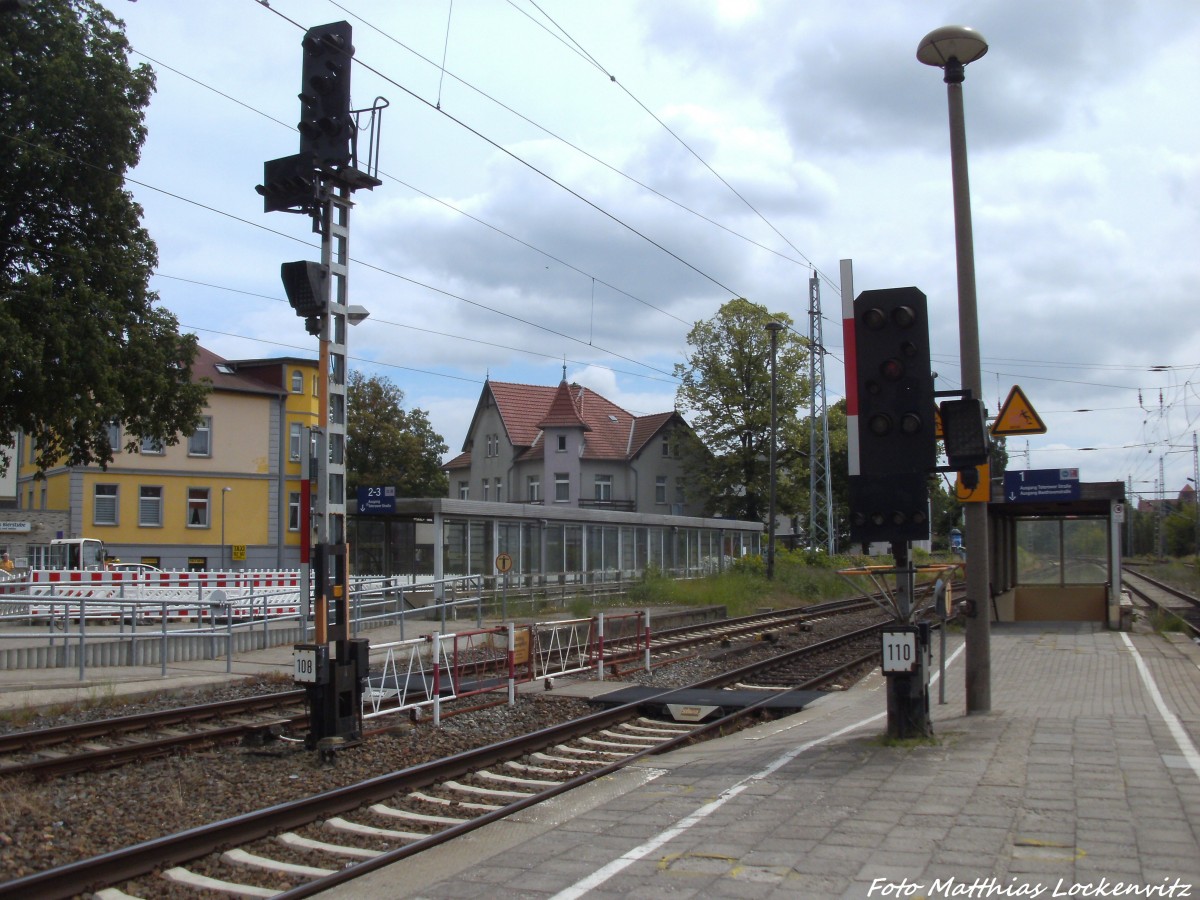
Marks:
<point>1082,781</point>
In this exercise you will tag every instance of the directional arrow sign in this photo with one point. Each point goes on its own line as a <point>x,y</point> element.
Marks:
<point>1017,416</point>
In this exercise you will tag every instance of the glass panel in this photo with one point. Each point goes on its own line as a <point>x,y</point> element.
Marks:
<point>455,548</point>
<point>1038,551</point>
<point>554,549</point>
<point>573,547</point>
<point>1085,551</point>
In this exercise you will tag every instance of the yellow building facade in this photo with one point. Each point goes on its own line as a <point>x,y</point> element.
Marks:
<point>225,497</point>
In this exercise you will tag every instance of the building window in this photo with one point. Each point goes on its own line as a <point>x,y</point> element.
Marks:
<point>666,445</point>
<point>297,382</point>
<point>152,446</point>
<point>294,511</point>
<point>660,489</point>
<point>562,487</point>
<point>114,436</point>
<point>295,436</point>
<point>316,385</point>
<point>200,440</point>
<point>604,488</point>
<point>150,507</point>
<point>533,491</point>
<point>485,490</point>
<point>464,490</point>
<point>104,505</point>
<point>562,443</point>
<point>499,490</point>
<point>197,508</point>
<point>678,488</point>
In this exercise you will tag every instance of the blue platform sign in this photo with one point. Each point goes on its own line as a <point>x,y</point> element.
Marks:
<point>1041,485</point>
<point>376,500</point>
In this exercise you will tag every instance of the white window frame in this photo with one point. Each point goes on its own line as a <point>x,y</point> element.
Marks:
<point>486,485</point>
<point>660,490</point>
<point>294,511</point>
<point>562,487</point>
<point>533,488</point>
<point>152,447</point>
<point>499,490</point>
<point>199,499</point>
<point>198,446</point>
<point>297,381</point>
<point>295,440</point>
<point>464,490</point>
<point>604,485</point>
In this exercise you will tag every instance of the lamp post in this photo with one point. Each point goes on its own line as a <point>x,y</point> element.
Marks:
<point>224,491</point>
<point>774,328</point>
<point>952,48</point>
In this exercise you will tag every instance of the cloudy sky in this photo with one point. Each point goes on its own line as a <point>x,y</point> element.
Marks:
<point>584,181</point>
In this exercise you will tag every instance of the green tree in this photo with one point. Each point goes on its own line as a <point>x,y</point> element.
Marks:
<point>82,341</point>
<point>725,391</point>
<point>388,447</point>
<point>1180,530</point>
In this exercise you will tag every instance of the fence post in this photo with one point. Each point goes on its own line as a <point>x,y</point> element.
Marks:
<point>600,646</point>
<point>163,651</point>
<point>647,615</point>
<point>512,666</point>
<point>82,633</point>
<point>437,679</point>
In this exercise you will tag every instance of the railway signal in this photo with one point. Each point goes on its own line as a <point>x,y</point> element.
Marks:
<point>326,125</point>
<point>889,497</point>
<point>307,287</point>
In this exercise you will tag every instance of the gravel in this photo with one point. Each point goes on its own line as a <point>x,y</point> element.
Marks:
<point>44,824</point>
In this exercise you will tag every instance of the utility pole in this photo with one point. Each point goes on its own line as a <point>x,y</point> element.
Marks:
<point>820,487</point>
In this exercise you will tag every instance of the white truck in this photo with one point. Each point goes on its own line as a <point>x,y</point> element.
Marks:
<point>77,553</point>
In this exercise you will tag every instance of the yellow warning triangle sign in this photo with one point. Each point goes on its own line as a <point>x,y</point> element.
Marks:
<point>1017,416</point>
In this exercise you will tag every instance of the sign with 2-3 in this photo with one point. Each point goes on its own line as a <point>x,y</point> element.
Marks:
<point>900,650</point>
<point>376,500</point>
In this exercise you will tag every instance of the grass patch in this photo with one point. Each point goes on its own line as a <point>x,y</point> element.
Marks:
<point>1164,622</point>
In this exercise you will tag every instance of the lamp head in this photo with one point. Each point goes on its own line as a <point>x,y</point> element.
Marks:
<point>951,43</point>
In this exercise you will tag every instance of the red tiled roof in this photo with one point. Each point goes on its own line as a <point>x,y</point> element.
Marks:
<point>462,461</point>
<point>611,432</point>
<point>563,413</point>
<point>224,375</point>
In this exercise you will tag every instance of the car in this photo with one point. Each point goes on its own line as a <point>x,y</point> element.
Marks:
<point>133,567</point>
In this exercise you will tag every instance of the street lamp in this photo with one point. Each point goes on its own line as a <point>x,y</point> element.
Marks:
<point>952,48</point>
<point>224,491</point>
<point>774,328</point>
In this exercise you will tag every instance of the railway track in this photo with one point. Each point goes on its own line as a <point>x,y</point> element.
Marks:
<point>1165,598</point>
<point>309,845</point>
<point>87,746</point>
<point>100,744</point>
